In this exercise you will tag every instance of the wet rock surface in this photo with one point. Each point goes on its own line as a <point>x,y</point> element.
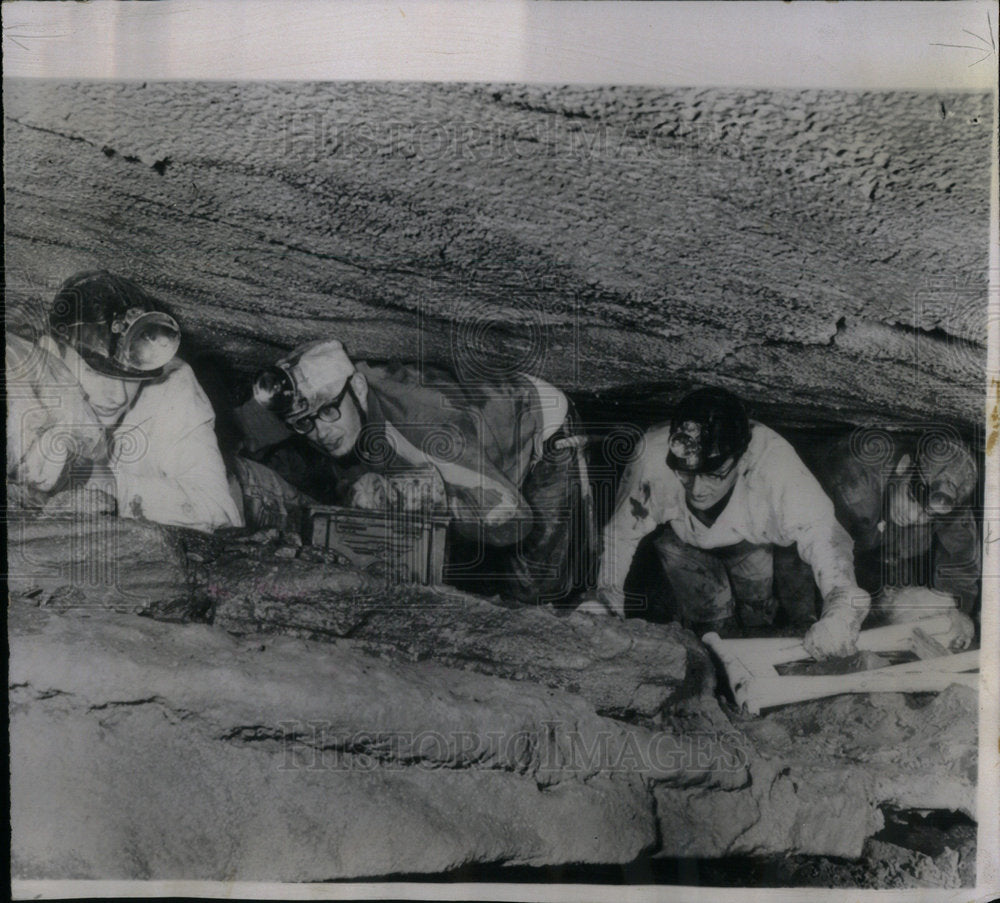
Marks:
<point>885,739</point>
<point>100,561</point>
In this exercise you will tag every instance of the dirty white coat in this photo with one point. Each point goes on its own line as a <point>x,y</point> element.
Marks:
<point>162,454</point>
<point>775,500</point>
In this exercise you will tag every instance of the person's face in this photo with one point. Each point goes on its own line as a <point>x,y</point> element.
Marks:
<point>108,396</point>
<point>704,490</point>
<point>337,426</point>
<point>904,509</point>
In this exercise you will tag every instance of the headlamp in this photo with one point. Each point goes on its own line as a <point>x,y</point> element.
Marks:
<point>274,389</point>
<point>146,340</point>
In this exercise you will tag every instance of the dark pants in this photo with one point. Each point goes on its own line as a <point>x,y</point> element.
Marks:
<point>555,554</point>
<point>750,583</point>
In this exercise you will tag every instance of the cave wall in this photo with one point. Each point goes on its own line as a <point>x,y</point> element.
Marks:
<point>821,250</point>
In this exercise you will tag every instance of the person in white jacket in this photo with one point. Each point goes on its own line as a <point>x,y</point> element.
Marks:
<point>103,405</point>
<point>729,491</point>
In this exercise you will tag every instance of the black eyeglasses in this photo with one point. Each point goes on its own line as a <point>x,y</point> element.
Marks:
<point>329,413</point>
<point>714,477</point>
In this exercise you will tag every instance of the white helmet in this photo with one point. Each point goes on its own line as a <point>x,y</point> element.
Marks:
<point>312,377</point>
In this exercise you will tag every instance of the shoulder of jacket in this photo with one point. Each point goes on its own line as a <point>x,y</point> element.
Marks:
<point>21,353</point>
<point>177,374</point>
<point>657,436</point>
<point>772,456</point>
<point>179,383</point>
<point>651,454</point>
<point>765,443</point>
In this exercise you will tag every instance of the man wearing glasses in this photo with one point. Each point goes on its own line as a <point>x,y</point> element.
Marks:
<point>727,494</point>
<point>514,476</point>
<point>907,506</point>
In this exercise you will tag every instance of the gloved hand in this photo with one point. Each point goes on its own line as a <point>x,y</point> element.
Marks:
<point>961,633</point>
<point>603,602</point>
<point>419,489</point>
<point>836,633</point>
<point>81,501</point>
<point>832,636</point>
<point>908,604</point>
<point>370,492</point>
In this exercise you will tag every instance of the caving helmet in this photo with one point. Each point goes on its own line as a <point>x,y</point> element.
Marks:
<point>312,380</point>
<point>114,325</point>
<point>943,476</point>
<point>707,428</point>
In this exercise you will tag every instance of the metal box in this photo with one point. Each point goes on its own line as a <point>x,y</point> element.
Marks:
<point>408,547</point>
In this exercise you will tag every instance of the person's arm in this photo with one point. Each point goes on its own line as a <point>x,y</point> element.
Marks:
<point>167,462</point>
<point>956,555</point>
<point>49,423</point>
<point>482,501</point>
<point>188,488</point>
<point>633,519</point>
<point>805,515</point>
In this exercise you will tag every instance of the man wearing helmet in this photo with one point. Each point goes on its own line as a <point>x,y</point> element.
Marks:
<point>907,507</point>
<point>502,453</point>
<point>727,492</point>
<point>102,403</point>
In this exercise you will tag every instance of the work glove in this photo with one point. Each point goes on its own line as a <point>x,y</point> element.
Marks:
<point>603,601</point>
<point>912,604</point>
<point>960,634</point>
<point>82,501</point>
<point>417,490</point>
<point>835,635</point>
<point>370,491</point>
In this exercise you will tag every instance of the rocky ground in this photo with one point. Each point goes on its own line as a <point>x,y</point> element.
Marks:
<point>311,723</point>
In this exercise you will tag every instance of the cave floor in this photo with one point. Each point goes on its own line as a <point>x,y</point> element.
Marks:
<point>825,793</point>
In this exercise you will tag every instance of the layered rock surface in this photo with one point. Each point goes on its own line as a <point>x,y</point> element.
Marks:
<point>149,749</point>
<point>822,251</point>
<point>629,669</point>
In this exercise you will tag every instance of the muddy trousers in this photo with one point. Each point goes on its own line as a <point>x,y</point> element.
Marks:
<point>745,581</point>
<point>555,555</point>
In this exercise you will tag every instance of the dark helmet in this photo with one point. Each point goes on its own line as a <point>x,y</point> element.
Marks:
<point>707,427</point>
<point>114,325</point>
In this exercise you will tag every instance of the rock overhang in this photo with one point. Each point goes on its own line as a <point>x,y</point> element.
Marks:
<point>820,250</point>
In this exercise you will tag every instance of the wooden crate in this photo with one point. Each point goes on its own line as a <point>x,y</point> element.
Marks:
<point>410,547</point>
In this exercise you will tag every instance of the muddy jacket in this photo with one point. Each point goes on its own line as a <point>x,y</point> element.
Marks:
<point>162,454</point>
<point>775,500</point>
<point>943,554</point>
<point>482,439</point>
